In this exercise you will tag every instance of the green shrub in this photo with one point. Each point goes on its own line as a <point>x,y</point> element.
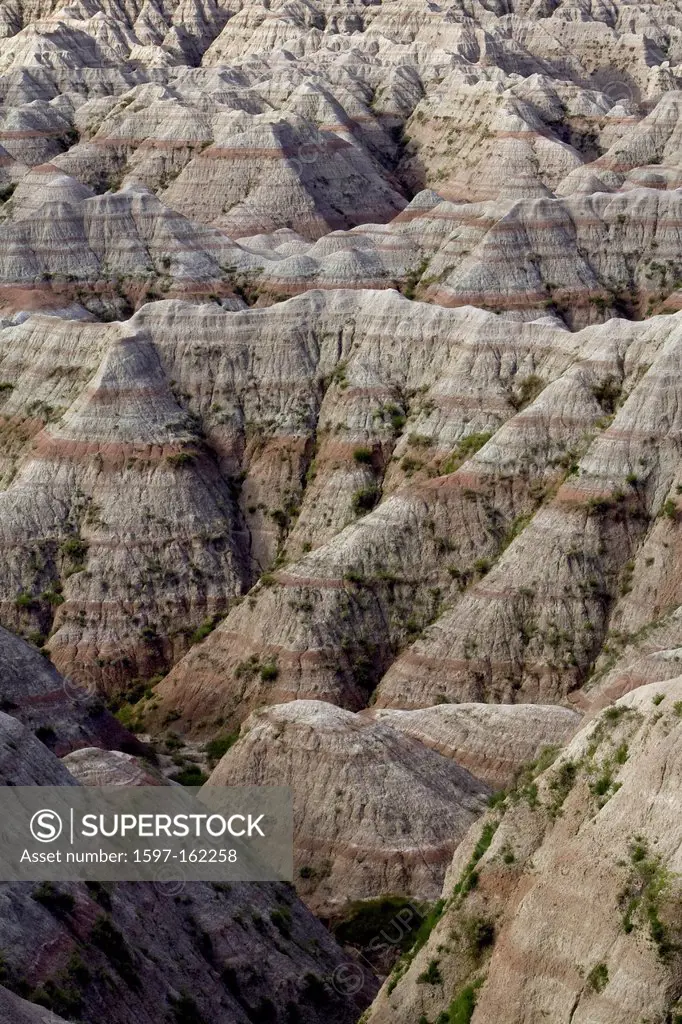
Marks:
<point>62,999</point>
<point>269,672</point>
<point>192,775</point>
<point>365,919</point>
<point>608,393</point>
<point>206,627</point>
<point>423,932</point>
<point>57,902</point>
<point>562,784</point>
<point>75,548</point>
<point>598,978</point>
<point>621,753</point>
<point>464,449</point>
<point>430,976</point>
<point>281,918</point>
<point>469,877</point>
<point>420,441</point>
<point>528,390</point>
<point>363,455</point>
<point>462,1007</point>
<point>479,933</point>
<point>216,748</point>
<point>181,458</point>
<point>669,510</point>
<point>365,499</point>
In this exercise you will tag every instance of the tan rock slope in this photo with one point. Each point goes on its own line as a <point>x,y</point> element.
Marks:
<point>492,741</point>
<point>564,904</point>
<point>91,766</point>
<point>134,952</point>
<point>323,116</point>
<point>374,810</point>
<point>579,473</point>
<point>340,397</point>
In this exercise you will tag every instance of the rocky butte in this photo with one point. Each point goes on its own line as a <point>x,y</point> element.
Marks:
<point>341,448</point>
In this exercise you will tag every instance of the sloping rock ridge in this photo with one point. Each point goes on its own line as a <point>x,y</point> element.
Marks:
<point>341,447</point>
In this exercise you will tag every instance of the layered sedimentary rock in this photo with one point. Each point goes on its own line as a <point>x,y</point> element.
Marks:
<point>385,530</point>
<point>92,766</point>
<point>134,952</point>
<point>346,421</point>
<point>25,761</point>
<point>327,117</point>
<point>375,811</point>
<point>492,741</point>
<point>450,541</point>
<point>125,433</point>
<point>565,902</point>
<point>61,713</point>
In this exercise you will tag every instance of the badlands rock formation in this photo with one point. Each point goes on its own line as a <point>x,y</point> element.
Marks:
<point>61,713</point>
<point>374,810</point>
<point>156,952</point>
<point>138,952</point>
<point>192,149</point>
<point>564,903</point>
<point>340,364</point>
<point>566,446</point>
<point>25,761</point>
<point>91,766</point>
<point>492,741</point>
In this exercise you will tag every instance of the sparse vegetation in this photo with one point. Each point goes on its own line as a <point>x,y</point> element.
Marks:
<point>669,510</point>
<point>395,916</point>
<point>205,629</point>
<point>107,938</point>
<point>281,918</point>
<point>598,978</point>
<point>461,1009</point>
<point>57,901</point>
<point>648,894</point>
<point>431,975</point>
<point>216,748</point>
<point>269,672</point>
<point>464,449</point>
<point>365,499</point>
<point>527,391</point>
<point>469,877</point>
<point>190,775</point>
<point>363,456</point>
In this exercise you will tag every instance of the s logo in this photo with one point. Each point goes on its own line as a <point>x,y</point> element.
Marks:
<point>46,826</point>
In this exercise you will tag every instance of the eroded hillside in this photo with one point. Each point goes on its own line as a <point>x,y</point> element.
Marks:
<point>341,446</point>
